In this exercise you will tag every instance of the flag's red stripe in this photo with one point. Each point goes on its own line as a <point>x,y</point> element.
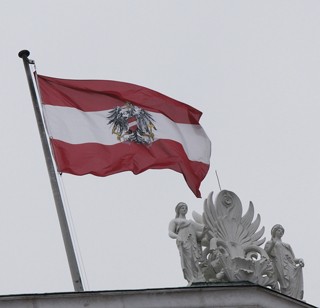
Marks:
<point>97,95</point>
<point>102,160</point>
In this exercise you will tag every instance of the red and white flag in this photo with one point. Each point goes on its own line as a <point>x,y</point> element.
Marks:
<point>104,127</point>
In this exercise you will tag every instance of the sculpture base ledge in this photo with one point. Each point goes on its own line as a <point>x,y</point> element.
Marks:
<point>240,295</point>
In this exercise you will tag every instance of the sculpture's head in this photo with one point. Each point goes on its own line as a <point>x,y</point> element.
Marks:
<point>277,228</point>
<point>181,206</point>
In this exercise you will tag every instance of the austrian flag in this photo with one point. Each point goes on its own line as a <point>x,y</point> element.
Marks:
<point>103,127</point>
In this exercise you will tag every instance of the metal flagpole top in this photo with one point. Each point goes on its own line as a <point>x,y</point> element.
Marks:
<point>24,53</point>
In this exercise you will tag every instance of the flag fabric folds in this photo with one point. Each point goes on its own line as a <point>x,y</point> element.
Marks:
<point>103,127</point>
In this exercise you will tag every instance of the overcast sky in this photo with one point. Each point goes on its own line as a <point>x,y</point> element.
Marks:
<point>252,67</point>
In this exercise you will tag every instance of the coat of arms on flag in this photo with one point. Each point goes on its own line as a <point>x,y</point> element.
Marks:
<point>132,124</point>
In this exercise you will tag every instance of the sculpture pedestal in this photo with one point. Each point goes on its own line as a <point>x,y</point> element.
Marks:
<point>239,295</point>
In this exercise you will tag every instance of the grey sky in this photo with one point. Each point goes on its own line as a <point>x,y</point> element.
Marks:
<point>252,67</point>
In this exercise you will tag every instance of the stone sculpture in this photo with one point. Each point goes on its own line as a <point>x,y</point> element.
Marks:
<point>287,268</point>
<point>221,245</point>
<point>233,251</point>
<point>188,235</point>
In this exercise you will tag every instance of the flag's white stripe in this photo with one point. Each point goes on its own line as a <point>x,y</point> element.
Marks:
<point>75,126</point>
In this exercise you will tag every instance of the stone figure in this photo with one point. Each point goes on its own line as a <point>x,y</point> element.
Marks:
<point>287,268</point>
<point>188,235</point>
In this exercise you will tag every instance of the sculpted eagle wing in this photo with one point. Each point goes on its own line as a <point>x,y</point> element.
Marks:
<point>225,220</point>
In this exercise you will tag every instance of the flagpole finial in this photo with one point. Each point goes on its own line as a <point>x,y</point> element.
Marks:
<point>24,54</point>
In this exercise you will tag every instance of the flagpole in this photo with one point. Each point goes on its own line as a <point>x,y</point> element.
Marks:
<point>73,265</point>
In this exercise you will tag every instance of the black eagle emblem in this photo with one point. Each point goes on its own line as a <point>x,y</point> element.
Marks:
<point>132,124</point>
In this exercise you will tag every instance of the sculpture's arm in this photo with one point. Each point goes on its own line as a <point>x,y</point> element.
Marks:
<point>299,261</point>
<point>202,232</point>
<point>269,246</point>
<point>172,230</point>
